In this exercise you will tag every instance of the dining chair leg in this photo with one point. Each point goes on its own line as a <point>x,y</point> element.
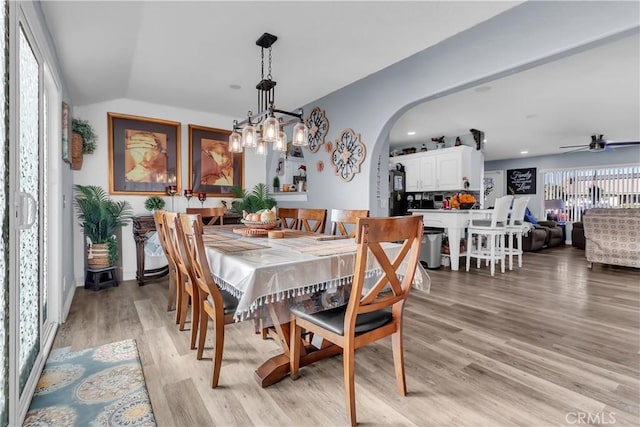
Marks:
<point>295,338</point>
<point>202,332</point>
<point>184,308</point>
<point>195,319</point>
<point>349,365</point>
<point>398,361</point>
<point>179,299</point>
<point>171,296</point>
<point>218,327</point>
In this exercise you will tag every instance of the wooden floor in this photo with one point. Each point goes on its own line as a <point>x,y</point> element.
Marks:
<point>553,343</point>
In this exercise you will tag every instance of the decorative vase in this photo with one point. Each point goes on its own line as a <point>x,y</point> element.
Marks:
<point>76,151</point>
<point>98,255</point>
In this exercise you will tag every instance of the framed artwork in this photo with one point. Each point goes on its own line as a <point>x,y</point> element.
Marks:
<point>66,132</point>
<point>521,181</point>
<point>144,155</point>
<point>212,168</point>
<point>348,154</point>
<point>318,126</point>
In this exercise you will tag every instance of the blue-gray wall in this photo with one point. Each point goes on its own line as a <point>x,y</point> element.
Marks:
<point>528,35</point>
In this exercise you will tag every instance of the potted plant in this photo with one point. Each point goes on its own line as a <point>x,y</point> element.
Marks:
<point>251,202</point>
<point>100,217</point>
<point>276,184</point>
<point>83,141</point>
<point>154,203</point>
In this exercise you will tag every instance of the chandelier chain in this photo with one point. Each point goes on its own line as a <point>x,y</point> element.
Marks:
<point>269,75</point>
<point>262,63</point>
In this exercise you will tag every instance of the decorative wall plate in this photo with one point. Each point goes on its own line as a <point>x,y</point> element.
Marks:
<point>348,154</point>
<point>318,126</point>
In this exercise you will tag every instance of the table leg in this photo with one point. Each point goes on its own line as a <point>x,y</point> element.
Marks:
<point>454,247</point>
<point>277,367</point>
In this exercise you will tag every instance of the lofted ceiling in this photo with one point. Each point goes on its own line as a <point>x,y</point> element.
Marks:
<point>189,54</point>
<point>201,55</point>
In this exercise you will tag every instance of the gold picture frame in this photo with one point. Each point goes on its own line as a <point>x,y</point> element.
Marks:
<point>144,155</point>
<point>212,168</point>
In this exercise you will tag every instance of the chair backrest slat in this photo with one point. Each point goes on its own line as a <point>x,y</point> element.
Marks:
<point>341,218</point>
<point>312,220</point>
<point>172,240</point>
<point>209,216</point>
<point>289,217</point>
<point>161,229</point>
<point>501,211</point>
<point>392,288</point>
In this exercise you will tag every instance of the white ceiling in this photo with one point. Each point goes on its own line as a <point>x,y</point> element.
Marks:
<point>538,110</point>
<point>188,54</point>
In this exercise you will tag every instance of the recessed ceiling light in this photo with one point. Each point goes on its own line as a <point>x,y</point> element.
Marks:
<point>524,152</point>
<point>236,87</point>
<point>483,88</point>
<point>531,116</point>
<point>411,132</point>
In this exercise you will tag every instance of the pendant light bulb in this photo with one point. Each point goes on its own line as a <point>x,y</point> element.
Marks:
<point>249,136</point>
<point>300,134</point>
<point>270,129</point>
<point>235,142</point>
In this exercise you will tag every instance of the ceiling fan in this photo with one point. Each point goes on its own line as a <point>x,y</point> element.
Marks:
<point>598,143</point>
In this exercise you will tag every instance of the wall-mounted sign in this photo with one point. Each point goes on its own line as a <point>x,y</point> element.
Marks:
<point>521,181</point>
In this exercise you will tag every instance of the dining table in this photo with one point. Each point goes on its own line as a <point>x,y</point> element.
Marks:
<point>270,275</point>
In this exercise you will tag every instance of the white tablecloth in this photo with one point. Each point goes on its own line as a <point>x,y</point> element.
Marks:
<point>287,268</point>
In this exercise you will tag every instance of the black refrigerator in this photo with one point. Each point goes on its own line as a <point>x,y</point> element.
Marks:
<point>397,195</point>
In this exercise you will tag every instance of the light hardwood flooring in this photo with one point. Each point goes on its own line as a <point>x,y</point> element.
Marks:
<point>553,343</point>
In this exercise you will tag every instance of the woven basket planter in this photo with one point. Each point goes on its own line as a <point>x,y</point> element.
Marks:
<point>76,151</point>
<point>98,256</point>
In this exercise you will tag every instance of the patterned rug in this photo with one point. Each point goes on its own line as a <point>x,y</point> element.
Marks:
<point>102,386</point>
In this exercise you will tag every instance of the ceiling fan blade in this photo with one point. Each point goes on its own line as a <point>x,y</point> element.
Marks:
<point>582,148</point>
<point>623,143</point>
<point>574,146</point>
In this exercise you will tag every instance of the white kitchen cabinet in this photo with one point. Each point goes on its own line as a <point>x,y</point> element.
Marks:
<point>444,169</point>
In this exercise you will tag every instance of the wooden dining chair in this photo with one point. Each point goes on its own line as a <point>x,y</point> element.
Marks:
<point>342,220</point>
<point>289,217</point>
<point>370,314</point>
<point>312,220</point>
<point>172,297</point>
<point>209,216</point>
<point>186,289</point>
<point>215,303</point>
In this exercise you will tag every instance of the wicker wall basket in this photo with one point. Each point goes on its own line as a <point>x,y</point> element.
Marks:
<point>76,151</point>
<point>98,256</point>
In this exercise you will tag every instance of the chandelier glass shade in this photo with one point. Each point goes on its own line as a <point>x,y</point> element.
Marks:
<point>266,127</point>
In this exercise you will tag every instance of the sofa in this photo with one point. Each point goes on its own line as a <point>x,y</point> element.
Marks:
<point>577,235</point>
<point>543,234</point>
<point>612,236</point>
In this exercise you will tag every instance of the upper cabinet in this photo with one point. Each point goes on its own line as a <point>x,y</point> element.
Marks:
<point>444,169</point>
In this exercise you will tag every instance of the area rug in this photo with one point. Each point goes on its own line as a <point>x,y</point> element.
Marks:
<point>102,386</point>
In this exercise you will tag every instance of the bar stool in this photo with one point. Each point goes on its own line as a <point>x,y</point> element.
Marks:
<point>493,230</point>
<point>515,226</point>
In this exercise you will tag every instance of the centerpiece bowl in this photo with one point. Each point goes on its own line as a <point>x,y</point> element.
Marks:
<point>466,205</point>
<point>265,225</point>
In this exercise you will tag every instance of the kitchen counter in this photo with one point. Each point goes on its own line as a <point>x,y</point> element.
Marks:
<point>454,221</point>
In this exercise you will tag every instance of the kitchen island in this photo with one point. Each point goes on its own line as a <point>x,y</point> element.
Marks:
<point>454,221</point>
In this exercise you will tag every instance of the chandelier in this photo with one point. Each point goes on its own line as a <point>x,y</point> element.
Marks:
<point>267,125</point>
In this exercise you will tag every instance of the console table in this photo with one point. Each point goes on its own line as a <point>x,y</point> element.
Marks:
<point>142,226</point>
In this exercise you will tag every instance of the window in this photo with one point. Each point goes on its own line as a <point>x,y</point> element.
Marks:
<point>585,188</point>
